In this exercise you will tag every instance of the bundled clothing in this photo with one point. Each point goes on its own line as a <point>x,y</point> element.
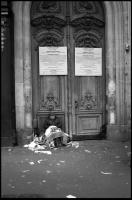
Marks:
<point>53,137</point>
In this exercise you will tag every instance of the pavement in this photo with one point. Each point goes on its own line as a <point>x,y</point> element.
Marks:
<point>85,169</point>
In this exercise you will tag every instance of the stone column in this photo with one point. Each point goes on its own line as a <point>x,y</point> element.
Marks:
<point>18,62</point>
<point>110,64</point>
<point>27,70</point>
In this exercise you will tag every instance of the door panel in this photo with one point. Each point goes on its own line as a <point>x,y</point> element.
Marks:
<point>48,28</point>
<point>89,124</point>
<point>79,101</point>
<point>88,93</point>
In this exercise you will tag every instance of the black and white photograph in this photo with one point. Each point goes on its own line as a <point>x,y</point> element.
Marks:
<point>65,99</point>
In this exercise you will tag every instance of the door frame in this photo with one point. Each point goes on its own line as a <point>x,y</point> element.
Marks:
<point>22,30</point>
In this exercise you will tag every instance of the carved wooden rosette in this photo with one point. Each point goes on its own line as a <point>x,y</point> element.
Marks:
<point>50,104</point>
<point>88,102</point>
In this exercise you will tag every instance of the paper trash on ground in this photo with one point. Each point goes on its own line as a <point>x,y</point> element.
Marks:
<point>31,163</point>
<point>70,196</point>
<point>106,172</point>
<point>49,138</point>
<point>9,149</point>
<point>46,152</point>
<point>39,161</point>
<point>48,171</point>
<point>87,151</point>
<point>117,156</point>
<point>25,170</point>
<point>75,144</point>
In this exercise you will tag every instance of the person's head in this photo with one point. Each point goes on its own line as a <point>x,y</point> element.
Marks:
<point>52,116</point>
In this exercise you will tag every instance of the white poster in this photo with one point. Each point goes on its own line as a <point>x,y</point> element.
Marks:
<point>53,60</point>
<point>88,61</point>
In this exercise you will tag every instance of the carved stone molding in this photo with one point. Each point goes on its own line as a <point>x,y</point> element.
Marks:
<point>51,103</point>
<point>85,6</point>
<point>48,30</point>
<point>45,7</point>
<point>89,8</point>
<point>88,31</point>
<point>48,6</point>
<point>4,26</point>
<point>48,38</point>
<point>48,22</point>
<point>86,22</point>
<point>88,102</point>
<point>90,39</point>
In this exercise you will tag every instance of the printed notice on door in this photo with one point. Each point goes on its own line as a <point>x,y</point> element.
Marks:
<point>88,61</point>
<point>53,60</point>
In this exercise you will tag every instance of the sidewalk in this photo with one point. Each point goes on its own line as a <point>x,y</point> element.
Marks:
<point>92,169</point>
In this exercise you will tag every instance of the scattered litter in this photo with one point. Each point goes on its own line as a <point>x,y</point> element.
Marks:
<point>52,138</point>
<point>25,170</point>
<point>44,181</point>
<point>39,147</point>
<point>26,145</point>
<point>31,163</point>
<point>106,172</point>
<point>62,161</point>
<point>70,196</point>
<point>46,152</point>
<point>48,172</point>
<point>58,164</point>
<point>87,151</point>
<point>75,144</point>
<point>36,151</point>
<point>126,146</point>
<point>23,176</point>
<point>117,161</point>
<point>29,182</point>
<point>9,149</point>
<point>32,145</point>
<point>117,156</point>
<point>39,161</point>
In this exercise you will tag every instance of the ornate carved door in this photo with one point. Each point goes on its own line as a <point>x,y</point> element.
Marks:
<point>78,101</point>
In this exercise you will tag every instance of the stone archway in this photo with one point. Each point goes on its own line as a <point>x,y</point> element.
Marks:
<point>23,71</point>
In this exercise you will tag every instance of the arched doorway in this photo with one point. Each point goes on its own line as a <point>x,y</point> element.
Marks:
<point>77,100</point>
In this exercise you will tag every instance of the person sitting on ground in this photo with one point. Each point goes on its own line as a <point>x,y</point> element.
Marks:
<point>52,120</point>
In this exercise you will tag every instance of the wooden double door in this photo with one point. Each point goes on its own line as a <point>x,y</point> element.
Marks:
<point>77,101</point>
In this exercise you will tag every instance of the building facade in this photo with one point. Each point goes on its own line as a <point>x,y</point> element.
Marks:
<point>88,106</point>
